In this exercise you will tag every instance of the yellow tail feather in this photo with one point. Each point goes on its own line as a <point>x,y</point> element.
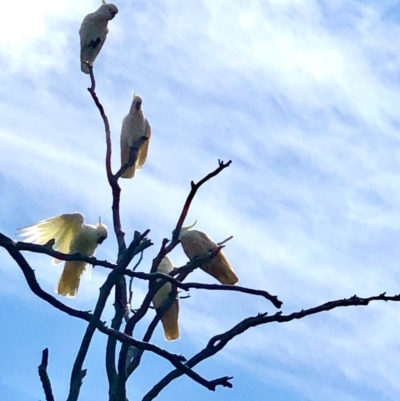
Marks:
<point>70,278</point>
<point>130,171</point>
<point>170,322</point>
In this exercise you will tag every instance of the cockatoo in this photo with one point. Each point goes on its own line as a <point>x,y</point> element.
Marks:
<point>93,33</point>
<point>170,318</point>
<point>197,244</point>
<point>71,235</point>
<point>134,126</point>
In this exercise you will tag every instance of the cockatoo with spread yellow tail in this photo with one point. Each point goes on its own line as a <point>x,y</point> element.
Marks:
<point>197,244</point>
<point>71,235</point>
<point>170,318</point>
<point>93,33</point>
<point>134,126</point>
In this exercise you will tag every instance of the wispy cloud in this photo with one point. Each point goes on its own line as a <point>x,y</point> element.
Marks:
<point>302,95</point>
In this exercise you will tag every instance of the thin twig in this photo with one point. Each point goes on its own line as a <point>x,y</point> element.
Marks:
<point>44,377</point>
<point>225,241</point>
<point>131,279</point>
<point>235,288</point>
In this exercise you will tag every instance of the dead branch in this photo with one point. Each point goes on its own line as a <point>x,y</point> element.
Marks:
<point>236,288</point>
<point>115,188</point>
<point>219,341</point>
<point>77,373</point>
<point>46,250</point>
<point>44,377</point>
<point>164,250</point>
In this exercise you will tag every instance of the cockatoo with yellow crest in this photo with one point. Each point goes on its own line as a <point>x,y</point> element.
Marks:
<point>71,235</point>
<point>197,244</point>
<point>93,33</point>
<point>169,319</point>
<point>134,126</point>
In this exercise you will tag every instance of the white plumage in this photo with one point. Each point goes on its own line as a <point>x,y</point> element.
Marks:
<point>134,126</point>
<point>195,243</point>
<point>93,33</point>
<point>71,235</point>
<point>170,318</point>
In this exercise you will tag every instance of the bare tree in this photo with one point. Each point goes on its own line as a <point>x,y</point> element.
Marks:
<point>124,349</point>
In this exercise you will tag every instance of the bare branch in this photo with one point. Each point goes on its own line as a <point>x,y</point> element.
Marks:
<point>116,190</point>
<point>77,373</point>
<point>219,341</point>
<point>46,250</point>
<point>44,377</point>
<point>194,188</point>
<point>225,241</point>
<point>30,277</point>
<point>131,279</point>
<point>236,288</point>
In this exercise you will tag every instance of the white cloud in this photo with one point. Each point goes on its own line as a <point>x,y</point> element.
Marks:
<point>302,95</point>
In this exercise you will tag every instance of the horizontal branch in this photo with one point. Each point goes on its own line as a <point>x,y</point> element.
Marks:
<point>236,288</point>
<point>219,341</point>
<point>47,250</point>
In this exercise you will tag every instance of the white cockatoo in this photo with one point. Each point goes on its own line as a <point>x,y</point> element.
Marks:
<point>71,235</point>
<point>93,33</point>
<point>197,244</point>
<point>170,318</point>
<point>134,126</point>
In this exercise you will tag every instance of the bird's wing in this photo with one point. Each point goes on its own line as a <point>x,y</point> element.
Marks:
<point>142,156</point>
<point>60,228</point>
<point>83,29</point>
<point>196,244</point>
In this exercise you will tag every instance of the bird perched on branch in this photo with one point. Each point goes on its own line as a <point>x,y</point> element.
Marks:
<point>197,244</point>
<point>134,127</point>
<point>169,319</point>
<point>71,235</point>
<point>93,33</point>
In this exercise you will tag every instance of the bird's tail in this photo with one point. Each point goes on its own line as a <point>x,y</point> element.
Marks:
<point>70,278</point>
<point>170,322</point>
<point>85,68</point>
<point>220,269</point>
<point>130,171</point>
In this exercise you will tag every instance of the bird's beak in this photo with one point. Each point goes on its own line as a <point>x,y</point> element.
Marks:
<point>101,240</point>
<point>138,105</point>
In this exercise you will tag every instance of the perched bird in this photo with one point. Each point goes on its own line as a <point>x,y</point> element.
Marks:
<point>93,33</point>
<point>196,244</point>
<point>169,319</point>
<point>134,126</point>
<point>71,235</point>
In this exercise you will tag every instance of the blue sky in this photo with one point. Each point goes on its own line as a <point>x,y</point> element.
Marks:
<point>303,96</point>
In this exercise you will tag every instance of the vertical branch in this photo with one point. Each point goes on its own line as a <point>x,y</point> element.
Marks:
<point>116,190</point>
<point>44,377</point>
